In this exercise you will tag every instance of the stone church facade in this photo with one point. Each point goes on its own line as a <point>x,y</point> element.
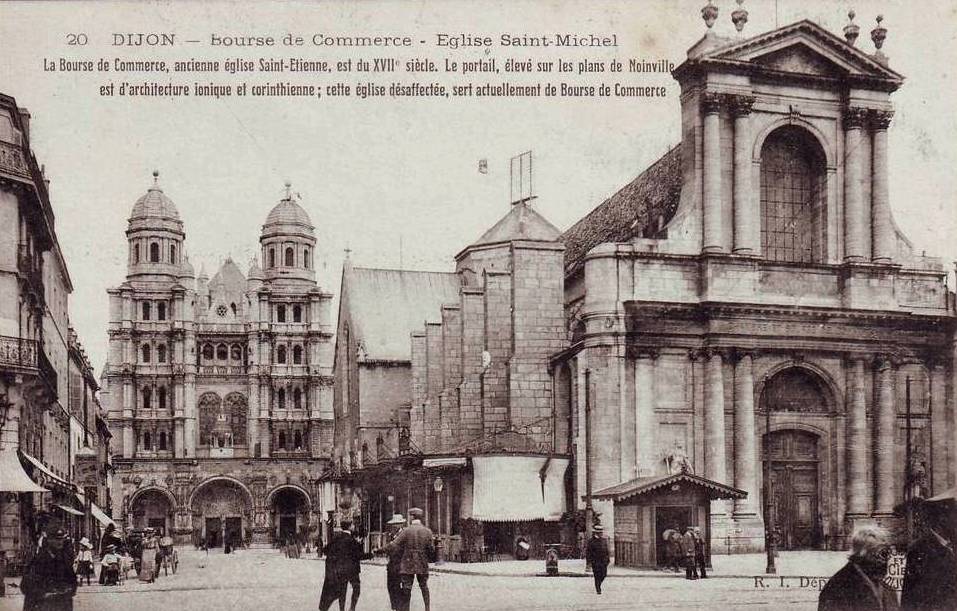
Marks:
<point>219,390</point>
<point>749,295</point>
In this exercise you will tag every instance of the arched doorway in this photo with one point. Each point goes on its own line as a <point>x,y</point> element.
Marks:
<point>221,508</point>
<point>289,506</point>
<point>795,489</point>
<point>152,508</point>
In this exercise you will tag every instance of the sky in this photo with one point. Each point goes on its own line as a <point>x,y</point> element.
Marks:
<point>396,181</point>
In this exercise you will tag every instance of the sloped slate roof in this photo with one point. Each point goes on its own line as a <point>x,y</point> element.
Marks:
<point>521,223</point>
<point>387,305</point>
<point>644,485</point>
<point>623,216</point>
<point>230,276</point>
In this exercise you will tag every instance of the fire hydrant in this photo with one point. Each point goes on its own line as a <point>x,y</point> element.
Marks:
<point>551,561</point>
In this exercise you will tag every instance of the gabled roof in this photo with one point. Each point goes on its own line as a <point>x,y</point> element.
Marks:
<point>624,215</point>
<point>843,59</point>
<point>230,276</point>
<point>386,305</point>
<point>644,485</point>
<point>521,223</point>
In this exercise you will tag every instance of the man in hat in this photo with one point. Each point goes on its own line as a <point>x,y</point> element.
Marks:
<point>930,578</point>
<point>699,557</point>
<point>342,567</point>
<point>596,554</point>
<point>415,550</point>
<point>49,581</point>
<point>393,578</point>
<point>688,548</point>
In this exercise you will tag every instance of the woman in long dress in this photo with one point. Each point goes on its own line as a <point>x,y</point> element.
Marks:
<point>148,560</point>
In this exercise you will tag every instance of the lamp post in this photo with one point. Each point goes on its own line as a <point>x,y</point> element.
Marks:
<point>769,538</point>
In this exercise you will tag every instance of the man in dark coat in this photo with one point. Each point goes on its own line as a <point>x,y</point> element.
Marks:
<point>859,586</point>
<point>415,550</point>
<point>342,567</point>
<point>930,578</point>
<point>49,581</point>
<point>596,554</point>
<point>699,557</point>
<point>688,548</point>
<point>393,578</point>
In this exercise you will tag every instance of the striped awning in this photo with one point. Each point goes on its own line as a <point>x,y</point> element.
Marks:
<point>45,469</point>
<point>12,476</point>
<point>101,516</point>
<point>70,510</point>
<point>517,488</point>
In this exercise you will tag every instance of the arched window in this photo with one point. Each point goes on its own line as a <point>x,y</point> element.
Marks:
<point>147,441</point>
<point>236,352</point>
<point>136,253</point>
<point>282,440</point>
<point>147,398</point>
<point>281,354</point>
<point>280,313</point>
<point>161,311</point>
<point>306,258</point>
<point>290,256</point>
<point>281,398</point>
<point>221,353</point>
<point>793,197</point>
<point>297,355</point>
<point>297,398</point>
<point>207,352</point>
<point>146,353</point>
<point>172,253</point>
<point>296,313</point>
<point>161,396</point>
<point>232,307</point>
<point>162,440</point>
<point>298,440</point>
<point>161,353</point>
<point>146,310</point>
<point>272,257</point>
<point>154,252</point>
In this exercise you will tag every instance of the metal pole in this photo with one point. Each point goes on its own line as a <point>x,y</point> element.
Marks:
<point>908,471</point>
<point>769,543</point>
<point>589,511</point>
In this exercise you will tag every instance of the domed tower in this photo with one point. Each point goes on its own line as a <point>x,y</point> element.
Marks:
<point>155,235</point>
<point>288,242</point>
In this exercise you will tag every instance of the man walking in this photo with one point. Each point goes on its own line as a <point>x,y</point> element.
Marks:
<point>393,577</point>
<point>688,548</point>
<point>699,558</point>
<point>596,554</point>
<point>415,550</point>
<point>342,567</point>
<point>49,581</point>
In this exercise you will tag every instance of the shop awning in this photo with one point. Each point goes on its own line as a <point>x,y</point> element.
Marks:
<point>512,488</point>
<point>12,476</point>
<point>70,510</point>
<point>46,470</point>
<point>101,516</point>
<point>453,461</point>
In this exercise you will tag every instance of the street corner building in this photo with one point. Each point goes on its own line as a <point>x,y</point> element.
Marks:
<point>219,390</point>
<point>54,439</point>
<point>747,310</point>
<point>743,316</point>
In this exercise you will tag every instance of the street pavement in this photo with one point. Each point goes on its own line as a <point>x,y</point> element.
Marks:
<point>264,580</point>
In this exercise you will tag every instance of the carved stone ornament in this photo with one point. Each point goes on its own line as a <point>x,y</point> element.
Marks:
<point>741,104</point>
<point>854,118</point>
<point>710,14</point>
<point>711,102</point>
<point>881,119</point>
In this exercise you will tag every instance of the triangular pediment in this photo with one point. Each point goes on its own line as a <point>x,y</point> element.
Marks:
<point>804,48</point>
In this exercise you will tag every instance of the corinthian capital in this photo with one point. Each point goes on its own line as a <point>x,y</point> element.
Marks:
<point>881,119</point>
<point>854,118</point>
<point>741,104</point>
<point>711,102</point>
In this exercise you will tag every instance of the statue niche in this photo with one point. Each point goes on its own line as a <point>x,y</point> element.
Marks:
<point>222,423</point>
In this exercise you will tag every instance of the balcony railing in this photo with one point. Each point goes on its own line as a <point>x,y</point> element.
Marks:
<point>12,160</point>
<point>222,370</point>
<point>18,353</point>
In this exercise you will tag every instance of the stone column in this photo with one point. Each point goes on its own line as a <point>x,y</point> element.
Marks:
<point>940,428</point>
<point>881,219</point>
<point>627,422</point>
<point>747,221</point>
<point>853,196</point>
<point>645,426</point>
<point>745,453</point>
<point>711,174</point>
<point>714,458</point>
<point>858,444</point>
<point>884,437</point>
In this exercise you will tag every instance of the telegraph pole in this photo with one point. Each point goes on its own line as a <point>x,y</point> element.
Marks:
<point>908,471</point>
<point>769,543</point>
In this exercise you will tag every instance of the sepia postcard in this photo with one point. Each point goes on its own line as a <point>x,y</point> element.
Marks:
<point>478,305</point>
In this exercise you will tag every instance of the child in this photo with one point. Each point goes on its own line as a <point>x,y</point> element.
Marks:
<point>84,561</point>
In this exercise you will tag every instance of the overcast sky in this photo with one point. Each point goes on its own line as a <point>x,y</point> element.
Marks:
<point>372,173</point>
